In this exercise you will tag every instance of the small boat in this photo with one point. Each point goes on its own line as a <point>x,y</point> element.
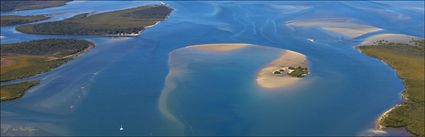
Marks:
<point>121,128</point>
<point>310,39</point>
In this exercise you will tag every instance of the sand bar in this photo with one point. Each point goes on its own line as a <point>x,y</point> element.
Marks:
<point>342,26</point>
<point>220,47</point>
<point>266,78</point>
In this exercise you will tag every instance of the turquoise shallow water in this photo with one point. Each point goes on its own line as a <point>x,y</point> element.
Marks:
<point>210,92</point>
<point>119,82</point>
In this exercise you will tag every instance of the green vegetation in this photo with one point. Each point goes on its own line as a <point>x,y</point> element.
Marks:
<point>298,72</point>
<point>419,42</point>
<point>20,60</point>
<point>16,20</point>
<point>123,22</point>
<point>14,91</point>
<point>46,47</point>
<point>26,66</point>
<point>15,5</point>
<point>409,63</point>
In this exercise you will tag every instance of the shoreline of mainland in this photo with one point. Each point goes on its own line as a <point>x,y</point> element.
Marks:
<point>392,40</point>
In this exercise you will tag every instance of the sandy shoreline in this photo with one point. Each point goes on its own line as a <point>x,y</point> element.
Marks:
<point>342,26</point>
<point>141,31</point>
<point>266,78</point>
<point>385,114</point>
<point>133,34</point>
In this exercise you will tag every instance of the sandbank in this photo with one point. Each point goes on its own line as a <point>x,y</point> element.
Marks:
<point>266,78</point>
<point>342,26</point>
<point>220,47</point>
<point>180,61</point>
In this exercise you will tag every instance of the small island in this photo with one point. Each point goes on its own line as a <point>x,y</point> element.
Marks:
<point>11,20</point>
<point>17,5</point>
<point>25,59</point>
<point>408,61</point>
<point>128,22</point>
<point>284,71</point>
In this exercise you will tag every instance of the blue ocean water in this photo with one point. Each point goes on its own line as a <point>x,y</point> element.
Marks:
<point>119,82</point>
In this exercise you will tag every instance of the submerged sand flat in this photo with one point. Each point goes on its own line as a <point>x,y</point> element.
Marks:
<point>178,62</point>
<point>397,38</point>
<point>343,26</point>
<point>267,79</point>
<point>287,9</point>
<point>220,47</point>
<point>184,63</point>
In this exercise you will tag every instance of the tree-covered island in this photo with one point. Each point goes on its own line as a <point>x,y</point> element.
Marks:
<point>128,22</point>
<point>10,20</point>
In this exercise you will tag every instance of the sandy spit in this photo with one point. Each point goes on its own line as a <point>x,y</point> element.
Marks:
<point>266,78</point>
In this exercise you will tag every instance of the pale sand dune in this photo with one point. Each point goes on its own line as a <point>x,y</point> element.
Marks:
<point>343,26</point>
<point>397,38</point>
<point>220,47</point>
<point>266,78</point>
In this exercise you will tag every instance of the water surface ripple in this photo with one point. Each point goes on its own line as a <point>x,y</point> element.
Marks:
<point>119,82</point>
